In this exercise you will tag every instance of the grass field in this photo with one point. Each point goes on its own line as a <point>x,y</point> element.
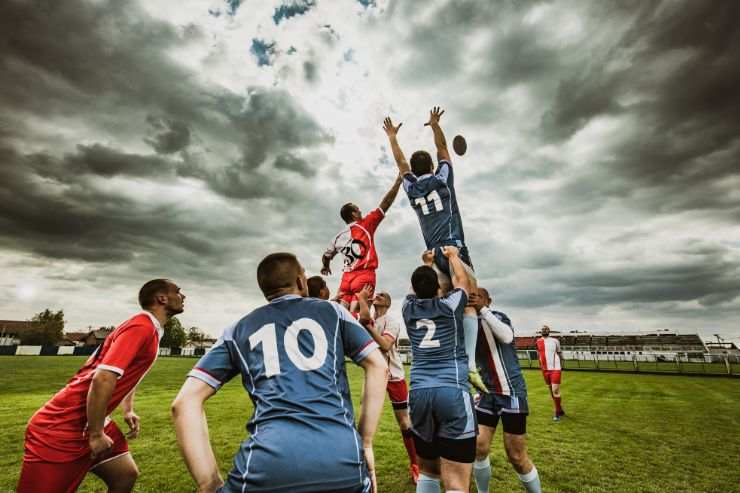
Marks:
<point>623,433</point>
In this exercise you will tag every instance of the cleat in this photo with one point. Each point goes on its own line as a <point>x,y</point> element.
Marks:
<point>414,471</point>
<point>476,381</point>
<point>561,413</point>
<point>556,418</point>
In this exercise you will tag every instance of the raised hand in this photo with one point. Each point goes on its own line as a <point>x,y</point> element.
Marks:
<point>450,251</point>
<point>325,271</point>
<point>390,130</point>
<point>366,292</point>
<point>434,115</point>
<point>476,301</point>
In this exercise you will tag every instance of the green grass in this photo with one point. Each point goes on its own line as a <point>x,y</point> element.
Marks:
<point>623,433</point>
<point>643,366</point>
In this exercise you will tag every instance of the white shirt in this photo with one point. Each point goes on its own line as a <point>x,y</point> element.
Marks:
<point>389,327</point>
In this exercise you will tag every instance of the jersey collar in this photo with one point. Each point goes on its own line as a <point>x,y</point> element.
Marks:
<point>157,325</point>
<point>285,297</point>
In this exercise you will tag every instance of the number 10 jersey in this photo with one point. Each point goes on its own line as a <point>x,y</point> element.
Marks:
<point>290,355</point>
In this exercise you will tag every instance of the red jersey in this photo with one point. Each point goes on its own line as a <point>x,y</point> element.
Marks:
<point>547,350</point>
<point>129,351</point>
<point>357,243</point>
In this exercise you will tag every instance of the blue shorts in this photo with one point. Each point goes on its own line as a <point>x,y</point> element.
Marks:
<point>444,265</point>
<point>442,412</point>
<point>497,404</point>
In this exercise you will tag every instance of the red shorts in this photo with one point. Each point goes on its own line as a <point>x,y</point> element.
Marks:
<point>38,475</point>
<point>353,282</point>
<point>551,377</point>
<point>398,393</point>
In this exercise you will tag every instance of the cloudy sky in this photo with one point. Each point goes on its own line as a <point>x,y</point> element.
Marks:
<point>187,139</point>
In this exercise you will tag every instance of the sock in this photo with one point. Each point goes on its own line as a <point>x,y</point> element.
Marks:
<point>427,484</point>
<point>558,408</point>
<point>531,481</point>
<point>470,327</point>
<point>482,474</point>
<point>408,441</point>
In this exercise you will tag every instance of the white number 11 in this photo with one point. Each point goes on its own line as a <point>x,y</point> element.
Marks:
<point>432,197</point>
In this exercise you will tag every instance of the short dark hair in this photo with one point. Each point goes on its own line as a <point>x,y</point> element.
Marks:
<point>277,271</point>
<point>424,281</point>
<point>346,212</point>
<point>421,163</point>
<point>149,291</point>
<point>315,285</point>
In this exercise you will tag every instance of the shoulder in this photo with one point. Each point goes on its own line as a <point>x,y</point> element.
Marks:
<point>502,316</point>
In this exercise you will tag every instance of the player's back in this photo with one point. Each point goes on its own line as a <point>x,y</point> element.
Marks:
<point>502,372</point>
<point>290,354</point>
<point>435,203</point>
<point>435,330</point>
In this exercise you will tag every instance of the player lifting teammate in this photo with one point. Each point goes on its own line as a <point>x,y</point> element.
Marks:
<point>432,195</point>
<point>441,409</point>
<point>507,402</point>
<point>73,433</point>
<point>357,244</point>
<point>290,356</point>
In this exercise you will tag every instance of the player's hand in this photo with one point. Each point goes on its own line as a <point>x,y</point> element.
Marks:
<point>434,115</point>
<point>132,420</point>
<point>212,485</point>
<point>390,130</point>
<point>366,292</point>
<point>450,251</point>
<point>99,443</point>
<point>476,301</point>
<point>325,271</point>
<point>370,461</point>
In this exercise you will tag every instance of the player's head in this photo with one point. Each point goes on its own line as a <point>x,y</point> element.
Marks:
<point>483,293</point>
<point>421,163</point>
<point>350,213</point>
<point>281,273</point>
<point>162,293</point>
<point>317,288</point>
<point>382,298</point>
<point>424,282</point>
<point>545,331</point>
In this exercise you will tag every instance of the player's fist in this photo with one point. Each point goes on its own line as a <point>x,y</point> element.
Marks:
<point>366,292</point>
<point>99,443</point>
<point>133,422</point>
<point>325,271</point>
<point>390,130</point>
<point>476,301</point>
<point>434,115</point>
<point>450,251</point>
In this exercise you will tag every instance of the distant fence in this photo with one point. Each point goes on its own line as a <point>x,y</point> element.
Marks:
<point>707,364</point>
<point>88,350</point>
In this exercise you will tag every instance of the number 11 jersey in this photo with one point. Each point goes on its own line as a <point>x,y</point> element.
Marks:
<point>290,355</point>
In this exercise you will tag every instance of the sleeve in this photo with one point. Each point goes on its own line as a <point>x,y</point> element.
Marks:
<point>216,367</point>
<point>125,346</point>
<point>332,250</point>
<point>501,331</point>
<point>444,169</point>
<point>357,342</point>
<point>408,181</point>
<point>455,298</point>
<point>373,219</point>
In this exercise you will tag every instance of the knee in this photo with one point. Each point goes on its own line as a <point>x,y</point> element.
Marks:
<point>130,476</point>
<point>481,452</point>
<point>517,458</point>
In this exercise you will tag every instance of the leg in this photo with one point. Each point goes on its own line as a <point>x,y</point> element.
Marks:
<point>482,464</point>
<point>404,424</point>
<point>62,477</point>
<point>429,477</point>
<point>119,473</point>
<point>515,444</point>
<point>455,475</point>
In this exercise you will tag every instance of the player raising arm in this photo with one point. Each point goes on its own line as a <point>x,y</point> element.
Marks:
<point>357,245</point>
<point>432,196</point>
<point>290,355</point>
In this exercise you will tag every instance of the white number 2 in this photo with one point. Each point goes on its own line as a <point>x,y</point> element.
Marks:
<point>427,342</point>
<point>432,197</point>
<point>267,336</point>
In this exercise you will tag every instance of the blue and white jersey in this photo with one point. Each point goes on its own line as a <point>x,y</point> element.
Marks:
<point>498,361</point>
<point>290,355</point>
<point>437,338</point>
<point>433,198</point>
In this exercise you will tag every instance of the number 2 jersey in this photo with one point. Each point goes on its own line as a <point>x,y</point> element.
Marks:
<point>433,198</point>
<point>435,329</point>
<point>290,356</point>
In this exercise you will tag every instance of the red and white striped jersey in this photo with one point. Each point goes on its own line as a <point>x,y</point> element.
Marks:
<point>357,243</point>
<point>548,349</point>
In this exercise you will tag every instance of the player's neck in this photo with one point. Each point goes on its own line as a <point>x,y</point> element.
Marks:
<point>380,311</point>
<point>285,292</point>
<point>160,314</point>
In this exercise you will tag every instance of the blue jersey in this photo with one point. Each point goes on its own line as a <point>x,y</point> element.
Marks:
<point>435,329</point>
<point>290,355</point>
<point>433,198</point>
<point>498,361</point>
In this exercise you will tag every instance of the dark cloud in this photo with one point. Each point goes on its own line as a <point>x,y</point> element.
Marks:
<point>170,135</point>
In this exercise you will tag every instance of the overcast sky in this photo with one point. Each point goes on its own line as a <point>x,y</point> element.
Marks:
<point>188,139</point>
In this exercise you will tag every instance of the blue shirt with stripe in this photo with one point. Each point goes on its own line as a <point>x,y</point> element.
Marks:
<point>290,355</point>
<point>500,369</point>
<point>433,198</point>
<point>435,329</point>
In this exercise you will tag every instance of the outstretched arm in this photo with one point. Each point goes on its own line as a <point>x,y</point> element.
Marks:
<point>363,296</point>
<point>373,395</point>
<point>391,132</point>
<point>439,136</point>
<point>460,278</point>
<point>387,201</point>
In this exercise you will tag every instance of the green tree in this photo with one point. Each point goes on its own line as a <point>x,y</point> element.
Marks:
<point>196,336</point>
<point>51,332</point>
<point>174,334</point>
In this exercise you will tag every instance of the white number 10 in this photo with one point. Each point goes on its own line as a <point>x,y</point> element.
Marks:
<point>432,197</point>
<point>267,336</point>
